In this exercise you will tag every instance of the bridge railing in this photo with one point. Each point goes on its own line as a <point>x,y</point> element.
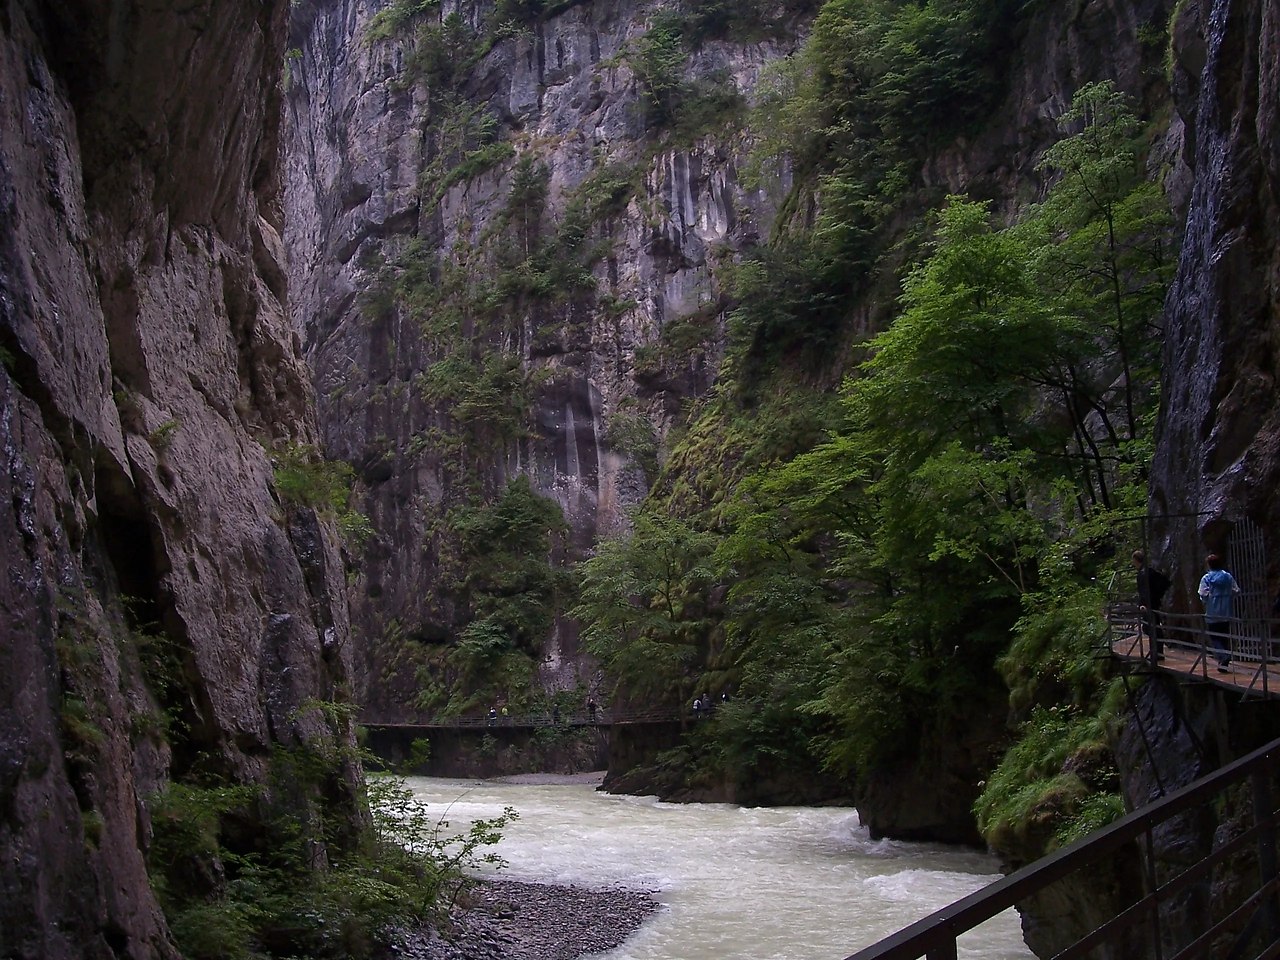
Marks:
<point>1172,916</point>
<point>576,718</point>
<point>1251,643</point>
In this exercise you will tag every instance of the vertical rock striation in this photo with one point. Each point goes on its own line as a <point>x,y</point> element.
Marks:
<point>1218,457</point>
<point>379,173</point>
<point>148,367</point>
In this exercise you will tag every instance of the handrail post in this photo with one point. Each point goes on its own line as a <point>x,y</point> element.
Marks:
<point>1266,652</point>
<point>1147,624</point>
<point>1204,651</point>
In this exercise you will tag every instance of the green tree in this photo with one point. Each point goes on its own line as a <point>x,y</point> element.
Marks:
<point>518,11</point>
<point>509,584</point>
<point>1105,243</point>
<point>644,606</point>
<point>657,60</point>
<point>785,606</point>
<point>968,355</point>
<point>877,85</point>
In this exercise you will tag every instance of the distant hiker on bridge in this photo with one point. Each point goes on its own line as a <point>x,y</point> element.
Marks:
<point>1152,586</point>
<point>493,716</point>
<point>1217,591</point>
<point>591,708</point>
<point>697,707</point>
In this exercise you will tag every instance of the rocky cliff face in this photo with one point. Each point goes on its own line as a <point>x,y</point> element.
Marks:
<point>153,582</point>
<point>1216,464</point>
<point>1062,47</point>
<point>1218,459</point>
<point>1215,458</point>
<point>534,222</point>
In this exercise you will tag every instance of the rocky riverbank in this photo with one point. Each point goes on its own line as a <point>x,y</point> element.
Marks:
<point>510,920</point>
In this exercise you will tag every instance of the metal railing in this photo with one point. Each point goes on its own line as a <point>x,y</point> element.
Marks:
<point>578,718</point>
<point>1250,644</point>
<point>1223,903</point>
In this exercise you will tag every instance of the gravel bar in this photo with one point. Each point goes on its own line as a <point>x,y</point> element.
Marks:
<point>510,920</point>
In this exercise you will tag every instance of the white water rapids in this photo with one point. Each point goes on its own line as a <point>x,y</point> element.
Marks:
<point>792,883</point>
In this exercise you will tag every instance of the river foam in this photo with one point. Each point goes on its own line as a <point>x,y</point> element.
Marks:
<point>790,883</point>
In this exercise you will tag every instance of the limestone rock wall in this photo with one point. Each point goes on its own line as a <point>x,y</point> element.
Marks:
<point>1218,457</point>
<point>1063,46</point>
<point>147,367</point>
<point>365,160</point>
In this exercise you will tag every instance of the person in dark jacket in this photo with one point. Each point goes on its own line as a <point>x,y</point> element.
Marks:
<point>1152,586</point>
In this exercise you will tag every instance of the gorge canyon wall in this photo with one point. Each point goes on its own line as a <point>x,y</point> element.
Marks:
<point>1218,459</point>
<point>402,181</point>
<point>151,368</point>
<point>161,609</point>
<point>379,176</point>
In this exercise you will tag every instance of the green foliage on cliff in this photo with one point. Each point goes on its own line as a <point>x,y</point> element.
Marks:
<point>309,859</point>
<point>883,558</point>
<point>739,21</point>
<point>392,19</point>
<point>1056,784</point>
<point>643,600</point>
<point>302,884</point>
<point>507,578</point>
<point>632,434</point>
<point>502,577</point>
<point>672,101</point>
<point>488,397</point>
<point>442,53</point>
<point>304,477</point>
<point>658,62</point>
<point>852,115</point>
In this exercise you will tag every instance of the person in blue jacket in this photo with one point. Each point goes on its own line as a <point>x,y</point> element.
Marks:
<point>1217,591</point>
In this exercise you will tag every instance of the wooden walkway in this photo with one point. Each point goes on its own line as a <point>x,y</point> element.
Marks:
<point>1247,673</point>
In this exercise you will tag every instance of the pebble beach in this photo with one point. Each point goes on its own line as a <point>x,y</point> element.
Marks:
<point>514,920</point>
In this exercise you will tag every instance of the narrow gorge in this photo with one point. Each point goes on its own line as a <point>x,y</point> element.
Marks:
<point>384,361</point>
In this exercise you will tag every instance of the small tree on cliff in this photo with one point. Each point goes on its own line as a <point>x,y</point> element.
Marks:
<point>509,583</point>
<point>1104,248</point>
<point>643,607</point>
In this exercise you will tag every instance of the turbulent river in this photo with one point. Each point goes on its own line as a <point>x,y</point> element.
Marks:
<point>793,883</point>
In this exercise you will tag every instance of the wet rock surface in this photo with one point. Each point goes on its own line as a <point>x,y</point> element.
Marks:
<point>147,369</point>
<point>1218,460</point>
<point>512,920</point>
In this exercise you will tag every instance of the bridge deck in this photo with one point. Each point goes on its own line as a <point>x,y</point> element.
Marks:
<point>602,718</point>
<point>1250,671</point>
